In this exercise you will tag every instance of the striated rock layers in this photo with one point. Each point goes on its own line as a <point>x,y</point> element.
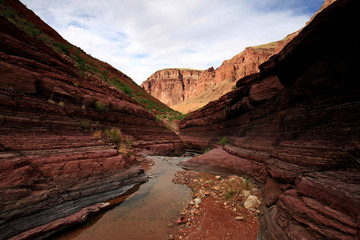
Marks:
<point>186,90</point>
<point>173,86</point>
<point>293,127</point>
<point>56,164</point>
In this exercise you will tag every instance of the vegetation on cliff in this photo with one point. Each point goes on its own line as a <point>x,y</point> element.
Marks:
<point>88,66</point>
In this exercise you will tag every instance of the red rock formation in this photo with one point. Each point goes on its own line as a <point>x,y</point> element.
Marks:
<point>194,88</point>
<point>206,86</point>
<point>55,160</point>
<point>172,86</point>
<point>292,128</point>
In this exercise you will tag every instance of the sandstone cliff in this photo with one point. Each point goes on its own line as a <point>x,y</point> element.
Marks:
<point>293,127</point>
<point>172,86</point>
<point>202,87</point>
<point>57,165</point>
<point>223,78</point>
<point>186,90</point>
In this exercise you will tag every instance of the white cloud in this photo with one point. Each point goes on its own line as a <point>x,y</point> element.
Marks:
<point>139,36</point>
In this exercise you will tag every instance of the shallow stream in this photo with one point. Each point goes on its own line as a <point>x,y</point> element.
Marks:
<point>147,212</point>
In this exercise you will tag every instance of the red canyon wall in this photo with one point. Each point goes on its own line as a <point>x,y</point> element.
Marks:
<point>186,90</point>
<point>56,164</point>
<point>172,86</point>
<point>194,88</point>
<point>294,127</point>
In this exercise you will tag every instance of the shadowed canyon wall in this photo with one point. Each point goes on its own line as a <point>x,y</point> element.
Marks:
<point>56,163</point>
<point>294,127</point>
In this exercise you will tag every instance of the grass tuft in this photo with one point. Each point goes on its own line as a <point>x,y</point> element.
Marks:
<point>115,135</point>
<point>222,142</point>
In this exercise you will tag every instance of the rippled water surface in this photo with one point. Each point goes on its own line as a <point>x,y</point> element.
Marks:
<point>144,214</point>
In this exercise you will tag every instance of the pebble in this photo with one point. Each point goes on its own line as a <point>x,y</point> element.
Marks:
<point>239,218</point>
<point>181,220</point>
<point>197,201</point>
<point>246,193</point>
<point>251,202</point>
<point>217,177</point>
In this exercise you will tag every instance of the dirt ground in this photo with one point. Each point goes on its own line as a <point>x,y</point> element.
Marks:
<point>218,209</point>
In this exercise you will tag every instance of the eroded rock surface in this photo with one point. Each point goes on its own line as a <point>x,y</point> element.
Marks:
<point>187,90</point>
<point>292,128</point>
<point>56,163</point>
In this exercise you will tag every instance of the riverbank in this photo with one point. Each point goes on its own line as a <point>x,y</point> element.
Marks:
<point>220,208</point>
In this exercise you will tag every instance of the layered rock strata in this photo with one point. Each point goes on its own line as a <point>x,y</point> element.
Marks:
<point>293,127</point>
<point>172,86</point>
<point>186,89</point>
<point>201,87</point>
<point>56,163</point>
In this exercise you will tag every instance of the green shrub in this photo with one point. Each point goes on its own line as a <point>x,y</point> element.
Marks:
<point>85,123</point>
<point>222,142</point>
<point>101,107</point>
<point>115,135</point>
<point>229,194</point>
<point>158,118</point>
<point>127,90</point>
<point>82,64</point>
<point>247,183</point>
<point>65,48</point>
<point>180,116</point>
<point>32,30</point>
<point>207,150</point>
<point>128,142</point>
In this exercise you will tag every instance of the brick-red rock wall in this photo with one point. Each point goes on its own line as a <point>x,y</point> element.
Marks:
<point>178,86</point>
<point>292,128</point>
<point>53,169</point>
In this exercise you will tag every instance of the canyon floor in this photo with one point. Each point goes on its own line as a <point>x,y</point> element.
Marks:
<point>222,207</point>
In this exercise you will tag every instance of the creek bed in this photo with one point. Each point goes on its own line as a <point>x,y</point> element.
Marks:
<point>147,212</point>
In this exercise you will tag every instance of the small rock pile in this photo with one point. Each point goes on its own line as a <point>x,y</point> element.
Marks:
<point>233,192</point>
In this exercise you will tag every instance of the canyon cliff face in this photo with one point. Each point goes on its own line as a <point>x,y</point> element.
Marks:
<point>294,127</point>
<point>172,86</point>
<point>57,165</point>
<point>186,90</point>
<point>204,86</point>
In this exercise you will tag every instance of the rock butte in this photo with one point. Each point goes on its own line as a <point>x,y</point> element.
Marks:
<point>291,127</point>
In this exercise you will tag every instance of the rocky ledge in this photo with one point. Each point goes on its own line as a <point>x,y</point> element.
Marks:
<point>59,160</point>
<point>294,128</point>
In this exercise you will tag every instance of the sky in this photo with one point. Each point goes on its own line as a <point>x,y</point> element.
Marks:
<point>139,37</point>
